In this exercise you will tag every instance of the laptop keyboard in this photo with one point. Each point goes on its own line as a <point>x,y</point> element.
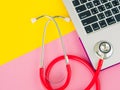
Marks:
<point>97,14</point>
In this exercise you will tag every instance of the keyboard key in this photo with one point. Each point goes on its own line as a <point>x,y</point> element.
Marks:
<point>117,17</point>
<point>115,10</point>
<point>104,1</point>
<point>115,2</point>
<point>76,2</point>
<point>89,5</point>
<point>108,5</point>
<point>96,2</point>
<point>101,8</point>
<point>95,26</point>
<point>84,14</point>
<point>108,13</point>
<point>94,11</point>
<point>101,16</point>
<point>83,1</point>
<point>119,7</point>
<point>88,29</point>
<point>80,8</point>
<point>89,20</point>
<point>102,23</point>
<point>110,20</point>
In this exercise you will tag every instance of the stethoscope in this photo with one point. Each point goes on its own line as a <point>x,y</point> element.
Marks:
<point>45,74</point>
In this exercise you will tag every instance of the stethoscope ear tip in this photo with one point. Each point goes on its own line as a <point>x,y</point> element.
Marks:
<point>67,19</point>
<point>33,20</point>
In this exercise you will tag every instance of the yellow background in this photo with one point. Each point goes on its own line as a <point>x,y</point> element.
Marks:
<point>18,35</point>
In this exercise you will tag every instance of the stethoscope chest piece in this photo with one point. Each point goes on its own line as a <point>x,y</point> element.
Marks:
<point>103,49</point>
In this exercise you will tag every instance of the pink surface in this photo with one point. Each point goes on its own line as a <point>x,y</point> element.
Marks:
<point>23,73</point>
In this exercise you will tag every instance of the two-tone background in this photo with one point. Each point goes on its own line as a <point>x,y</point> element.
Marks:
<point>20,46</point>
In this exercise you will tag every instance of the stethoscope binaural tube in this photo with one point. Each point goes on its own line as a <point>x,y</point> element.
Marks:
<point>44,74</point>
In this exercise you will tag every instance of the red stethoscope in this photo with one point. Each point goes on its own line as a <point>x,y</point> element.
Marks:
<point>45,74</point>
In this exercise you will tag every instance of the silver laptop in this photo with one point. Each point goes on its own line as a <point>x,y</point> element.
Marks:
<point>97,24</point>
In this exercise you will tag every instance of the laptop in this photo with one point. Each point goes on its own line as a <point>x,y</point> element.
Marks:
<point>98,25</point>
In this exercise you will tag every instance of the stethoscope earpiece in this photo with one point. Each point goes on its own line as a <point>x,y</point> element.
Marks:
<point>67,19</point>
<point>33,20</point>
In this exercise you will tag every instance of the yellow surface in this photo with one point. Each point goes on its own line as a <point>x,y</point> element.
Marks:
<point>17,35</point>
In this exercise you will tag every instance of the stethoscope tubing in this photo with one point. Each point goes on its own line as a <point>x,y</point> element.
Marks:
<point>46,82</point>
<point>95,80</point>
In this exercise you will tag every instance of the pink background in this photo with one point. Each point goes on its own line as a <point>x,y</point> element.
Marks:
<point>23,72</point>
